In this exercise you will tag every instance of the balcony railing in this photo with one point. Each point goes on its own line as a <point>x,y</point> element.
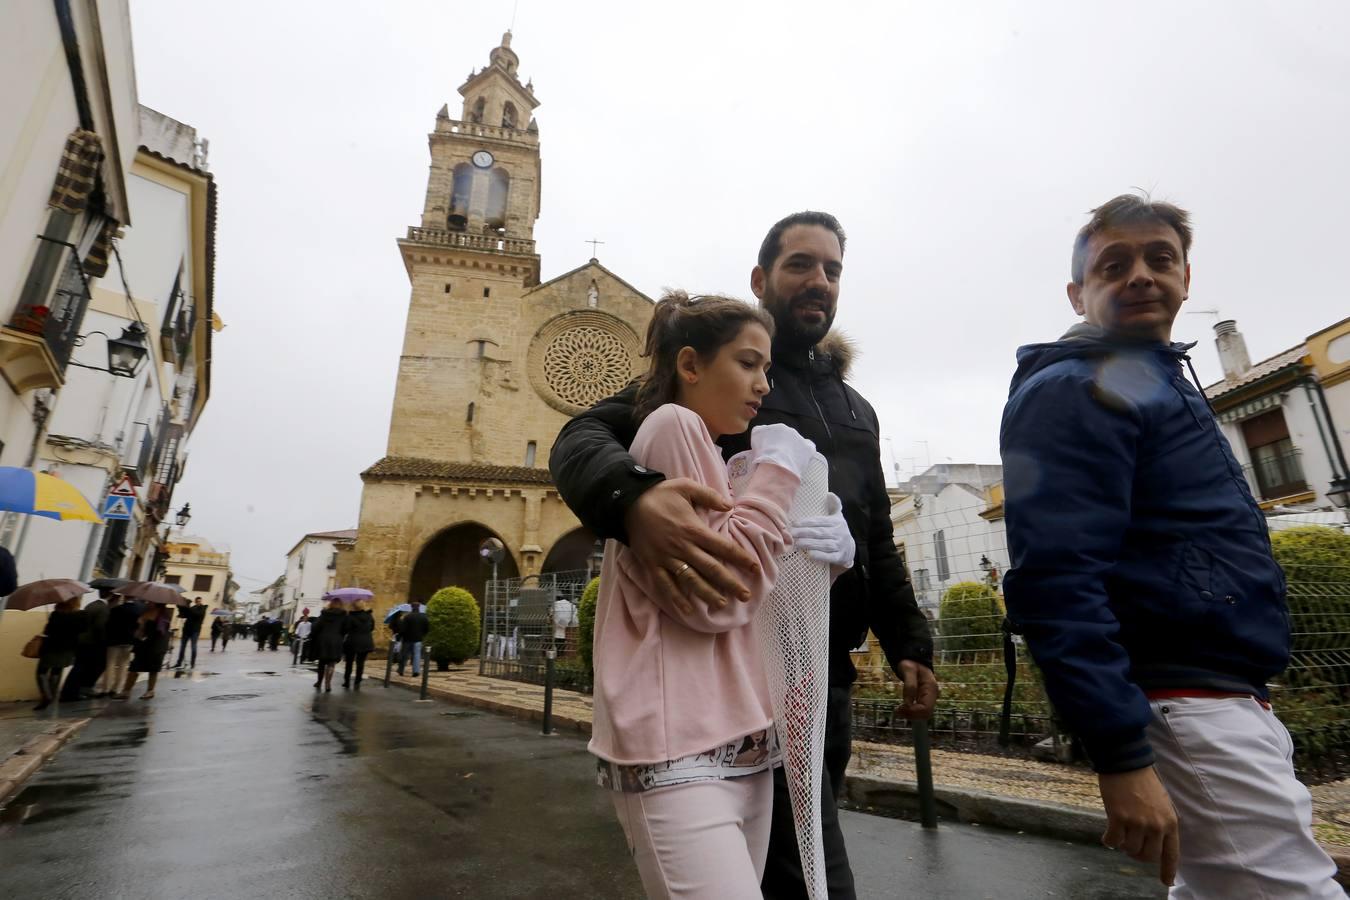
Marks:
<point>1277,476</point>
<point>485,242</point>
<point>478,129</point>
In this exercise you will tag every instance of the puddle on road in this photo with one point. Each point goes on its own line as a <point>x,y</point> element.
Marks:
<point>462,715</point>
<point>45,801</point>
<point>229,697</point>
<point>262,673</point>
<point>127,740</point>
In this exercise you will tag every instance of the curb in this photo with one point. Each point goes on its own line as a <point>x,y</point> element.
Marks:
<point>28,759</point>
<point>561,721</point>
<point>900,800</point>
<point>894,798</point>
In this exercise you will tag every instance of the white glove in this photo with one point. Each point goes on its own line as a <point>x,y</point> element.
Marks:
<point>826,539</point>
<point>781,444</point>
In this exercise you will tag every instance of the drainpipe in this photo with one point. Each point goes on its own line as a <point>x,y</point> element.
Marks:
<point>1335,453</point>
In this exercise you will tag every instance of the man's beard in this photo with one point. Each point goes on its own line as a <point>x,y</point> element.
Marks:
<point>792,332</point>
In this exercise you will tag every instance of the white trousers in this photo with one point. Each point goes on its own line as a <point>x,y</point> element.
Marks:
<point>1245,820</point>
<point>706,840</point>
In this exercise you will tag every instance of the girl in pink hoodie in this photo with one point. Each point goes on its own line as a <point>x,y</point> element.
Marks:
<point>682,724</point>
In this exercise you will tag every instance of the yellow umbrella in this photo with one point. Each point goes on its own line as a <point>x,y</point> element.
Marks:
<point>39,494</point>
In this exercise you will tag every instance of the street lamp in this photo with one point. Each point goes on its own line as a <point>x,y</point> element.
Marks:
<point>125,353</point>
<point>181,521</point>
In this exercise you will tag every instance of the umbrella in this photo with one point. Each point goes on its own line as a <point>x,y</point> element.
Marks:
<point>38,494</point>
<point>347,595</point>
<point>402,607</point>
<point>109,584</point>
<point>153,592</point>
<point>50,590</point>
<point>222,612</point>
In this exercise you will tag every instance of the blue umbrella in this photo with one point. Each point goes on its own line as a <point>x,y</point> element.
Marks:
<point>402,607</point>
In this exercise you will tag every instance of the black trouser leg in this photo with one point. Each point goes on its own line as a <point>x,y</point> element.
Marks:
<point>182,650</point>
<point>360,666</point>
<point>783,869</point>
<point>348,657</point>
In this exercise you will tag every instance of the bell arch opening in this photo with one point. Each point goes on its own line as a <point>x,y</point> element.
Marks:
<point>451,559</point>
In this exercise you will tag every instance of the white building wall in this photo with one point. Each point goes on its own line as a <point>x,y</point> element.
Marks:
<point>955,513</point>
<point>308,576</point>
<point>37,113</point>
<point>1303,433</point>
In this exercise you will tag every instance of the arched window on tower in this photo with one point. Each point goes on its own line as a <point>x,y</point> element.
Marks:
<point>460,190</point>
<point>499,185</point>
<point>509,115</point>
<point>479,110</point>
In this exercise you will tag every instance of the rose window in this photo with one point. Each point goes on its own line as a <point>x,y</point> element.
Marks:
<point>586,364</point>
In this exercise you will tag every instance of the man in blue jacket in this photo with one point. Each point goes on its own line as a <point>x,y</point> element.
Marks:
<point>1143,581</point>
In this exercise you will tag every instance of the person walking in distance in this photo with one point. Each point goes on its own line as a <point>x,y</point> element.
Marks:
<point>1143,582</point>
<point>358,642</point>
<point>192,618</point>
<point>413,628</point>
<point>120,633</point>
<point>91,650</point>
<point>300,639</point>
<point>217,629</point>
<point>226,634</point>
<point>152,644</point>
<point>328,635</point>
<point>60,638</point>
<point>797,280</point>
<point>261,629</point>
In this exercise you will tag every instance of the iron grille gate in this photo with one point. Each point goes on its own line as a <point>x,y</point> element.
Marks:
<point>525,617</point>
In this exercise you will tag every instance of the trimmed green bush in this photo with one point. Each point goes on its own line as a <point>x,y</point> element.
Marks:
<point>586,619</point>
<point>455,625</point>
<point>970,617</point>
<point>1312,697</point>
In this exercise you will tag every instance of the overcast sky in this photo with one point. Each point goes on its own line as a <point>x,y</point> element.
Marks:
<point>960,144</point>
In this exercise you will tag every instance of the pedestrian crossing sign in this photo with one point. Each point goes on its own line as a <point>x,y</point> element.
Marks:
<point>118,507</point>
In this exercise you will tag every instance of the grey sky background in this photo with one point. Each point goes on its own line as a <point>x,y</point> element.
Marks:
<point>961,145</point>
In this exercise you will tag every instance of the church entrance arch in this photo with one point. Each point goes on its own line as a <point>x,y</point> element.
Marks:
<point>572,553</point>
<point>450,559</point>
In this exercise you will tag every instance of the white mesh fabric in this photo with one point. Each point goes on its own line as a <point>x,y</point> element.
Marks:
<point>793,625</point>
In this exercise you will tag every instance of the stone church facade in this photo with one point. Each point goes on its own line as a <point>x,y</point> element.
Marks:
<point>494,362</point>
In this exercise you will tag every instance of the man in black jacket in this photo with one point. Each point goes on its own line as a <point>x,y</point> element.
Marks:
<point>192,617</point>
<point>413,627</point>
<point>797,281</point>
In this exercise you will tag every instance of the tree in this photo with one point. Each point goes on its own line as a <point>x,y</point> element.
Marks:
<point>455,626</point>
<point>970,617</point>
<point>586,619</point>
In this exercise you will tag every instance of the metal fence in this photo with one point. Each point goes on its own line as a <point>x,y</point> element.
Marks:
<point>1312,697</point>
<point>523,618</point>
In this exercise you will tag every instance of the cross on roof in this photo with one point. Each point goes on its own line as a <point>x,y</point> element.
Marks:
<point>593,242</point>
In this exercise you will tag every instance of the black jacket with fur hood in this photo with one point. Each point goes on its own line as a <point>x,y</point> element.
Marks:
<point>599,481</point>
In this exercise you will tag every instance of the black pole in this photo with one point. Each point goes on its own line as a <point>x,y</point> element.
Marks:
<point>388,663</point>
<point>923,771</point>
<point>426,670</point>
<point>548,691</point>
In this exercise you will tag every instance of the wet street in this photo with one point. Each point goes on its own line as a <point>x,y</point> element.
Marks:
<point>240,781</point>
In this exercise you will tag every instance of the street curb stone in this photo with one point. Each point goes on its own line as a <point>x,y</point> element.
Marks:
<point>28,759</point>
<point>893,797</point>
<point>900,799</point>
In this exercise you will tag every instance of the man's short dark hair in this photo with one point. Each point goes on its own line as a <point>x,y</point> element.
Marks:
<point>1129,209</point>
<point>773,241</point>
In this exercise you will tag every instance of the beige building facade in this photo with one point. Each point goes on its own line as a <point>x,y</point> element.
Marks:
<point>494,362</point>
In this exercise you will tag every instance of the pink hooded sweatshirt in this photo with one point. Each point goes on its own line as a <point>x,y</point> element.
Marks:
<point>670,684</point>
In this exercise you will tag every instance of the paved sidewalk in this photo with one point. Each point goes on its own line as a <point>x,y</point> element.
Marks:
<point>1013,779</point>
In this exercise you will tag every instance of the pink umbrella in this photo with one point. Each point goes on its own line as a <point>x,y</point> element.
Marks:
<point>347,595</point>
<point>154,592</point>
<point>50,590</point>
